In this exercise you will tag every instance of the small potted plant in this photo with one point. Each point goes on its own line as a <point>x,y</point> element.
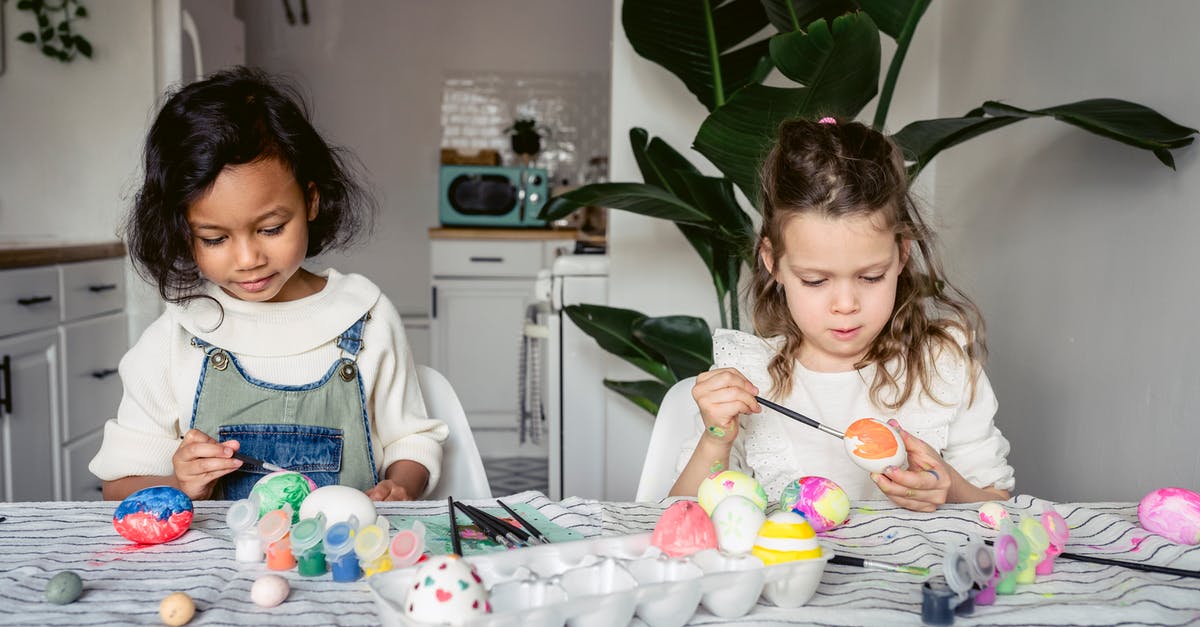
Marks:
<point>526,138</point>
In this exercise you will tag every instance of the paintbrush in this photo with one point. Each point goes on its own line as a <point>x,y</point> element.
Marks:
<point>455,542</point>
<point>525,524</point>
<point>846,560</point>
<point>795,415</point>
<point>511,530</point>
<point>495,533</point>
<point>251,461</point>
<point>1149,568</point>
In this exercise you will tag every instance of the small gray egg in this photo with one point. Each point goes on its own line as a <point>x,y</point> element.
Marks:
<point>64,588</point>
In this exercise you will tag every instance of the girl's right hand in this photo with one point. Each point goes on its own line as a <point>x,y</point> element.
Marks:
<point>200,461</point>
<point>722,395</point>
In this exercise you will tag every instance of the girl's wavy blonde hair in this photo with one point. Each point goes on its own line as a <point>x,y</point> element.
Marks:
<point>837,170</point>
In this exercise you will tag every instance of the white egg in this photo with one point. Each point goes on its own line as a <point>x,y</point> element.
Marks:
<point>737,520</point>
<point>446,589</point>
<point>874,445</point>
<point>338,503</point>
<point>269,590</point>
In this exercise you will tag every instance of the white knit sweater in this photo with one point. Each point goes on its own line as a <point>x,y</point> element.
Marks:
<point>290,343</point>
<point>777,450</point>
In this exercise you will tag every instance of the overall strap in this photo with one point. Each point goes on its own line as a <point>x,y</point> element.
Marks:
<point>350,340</point>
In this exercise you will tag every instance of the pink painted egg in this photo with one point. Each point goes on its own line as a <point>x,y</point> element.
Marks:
<point>684,528</point>
<point>715,487</point>
<point>154,515</point>
<point>991,513</point>
<point>822,501</point>
<point>1173,513</point>
<point>446,590</point>
<point>874,445</point>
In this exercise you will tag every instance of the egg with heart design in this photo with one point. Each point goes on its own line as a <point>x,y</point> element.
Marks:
<point>446,590</point>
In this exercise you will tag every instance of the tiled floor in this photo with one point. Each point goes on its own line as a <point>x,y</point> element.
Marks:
<point>509,475</point>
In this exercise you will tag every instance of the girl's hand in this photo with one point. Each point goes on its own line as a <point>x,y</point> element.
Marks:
<point>388,490</point>
<point>722,395</point>
<point>200,461</point>
<point>926,483</point>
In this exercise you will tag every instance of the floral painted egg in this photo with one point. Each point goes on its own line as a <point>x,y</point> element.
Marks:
<point>446,589</point>
<point>824,503</point>
<point>279,487</point>
<point>737,521</point>
<point>991,513</point>
<point>684,528</point>
<point>715,487</point>
<point>154,515</point>
<point>1173,513</point>
<point>875,445</point>
<point>786,537</point>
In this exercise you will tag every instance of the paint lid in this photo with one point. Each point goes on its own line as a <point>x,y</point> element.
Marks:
<point>968,566</point>
<point>242,515</point>
<point>1007,555</point>
<point>339,539</point>
<point>370,543</point>
<point>1056,527</point>
<point>308,532</point>
<point>1039,540</point>
<point>274,525</point>
<point>408,545</point>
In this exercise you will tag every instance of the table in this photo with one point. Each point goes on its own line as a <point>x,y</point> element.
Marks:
<point>123,584</point>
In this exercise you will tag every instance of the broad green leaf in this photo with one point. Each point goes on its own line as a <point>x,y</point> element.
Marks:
<point>705,43</point>
<point>612,328</point>
<point>921,141</point>
<point>640,198</point>
<point>842,60</point>
<point>891,15</point>
<point>645,394</point>
<point>793,15</point>
<point>684,341</point>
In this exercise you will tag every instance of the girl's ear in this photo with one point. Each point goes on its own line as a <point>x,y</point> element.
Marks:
<point>767,254</point>
<point>905,249</point>
<point>314,201</point>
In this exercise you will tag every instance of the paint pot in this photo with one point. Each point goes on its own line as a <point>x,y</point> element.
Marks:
<point>273,529</point>
<point>242,519</point>
<point>339,550</point>
<point>371,547</point>
<point>408,545</point>
<point>308,546</point>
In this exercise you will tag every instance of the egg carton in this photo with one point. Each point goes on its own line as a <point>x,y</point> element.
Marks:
<point>607,581</point>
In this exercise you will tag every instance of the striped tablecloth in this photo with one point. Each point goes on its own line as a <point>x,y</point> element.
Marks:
<point>123,584</point>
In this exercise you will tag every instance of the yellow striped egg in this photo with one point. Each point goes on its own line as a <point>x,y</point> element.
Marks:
<point>786,537</point>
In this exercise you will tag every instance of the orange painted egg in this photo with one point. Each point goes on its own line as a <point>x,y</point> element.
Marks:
<point>875,445</point>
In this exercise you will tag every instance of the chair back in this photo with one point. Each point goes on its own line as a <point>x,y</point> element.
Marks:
<point>462,476</point>
<point>675,423</point>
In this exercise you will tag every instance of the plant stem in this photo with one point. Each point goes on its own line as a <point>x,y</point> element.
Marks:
<point>902,42</point>
<point>714,56</point>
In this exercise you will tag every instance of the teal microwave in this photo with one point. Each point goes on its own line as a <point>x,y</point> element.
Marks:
<point>492,195</point>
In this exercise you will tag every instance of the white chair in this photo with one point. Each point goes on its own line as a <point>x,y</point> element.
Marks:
<point>676,422</point>
<point>463,476</point>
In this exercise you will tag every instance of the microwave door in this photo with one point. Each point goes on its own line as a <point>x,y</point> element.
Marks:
<point>484,195</point>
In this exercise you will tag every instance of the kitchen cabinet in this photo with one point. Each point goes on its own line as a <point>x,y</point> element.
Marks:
<point>480,291</point>
<point>62,334</point>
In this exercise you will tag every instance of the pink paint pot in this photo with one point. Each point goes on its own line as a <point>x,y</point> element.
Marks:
<point>408,545</point>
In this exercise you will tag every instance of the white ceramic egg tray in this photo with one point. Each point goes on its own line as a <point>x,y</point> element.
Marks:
<point>606,581</point>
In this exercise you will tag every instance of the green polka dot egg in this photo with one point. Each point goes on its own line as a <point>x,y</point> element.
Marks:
<point>715,487</point>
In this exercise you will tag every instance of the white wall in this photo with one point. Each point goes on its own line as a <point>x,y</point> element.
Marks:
<point>71,133</point>
<point>1081,251</point>
<point>654,270</point>
<point>374,72</point>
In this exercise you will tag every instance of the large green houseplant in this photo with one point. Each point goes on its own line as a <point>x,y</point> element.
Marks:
<point>722,51</point>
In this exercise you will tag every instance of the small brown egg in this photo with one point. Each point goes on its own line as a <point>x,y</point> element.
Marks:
<point>177,609</point>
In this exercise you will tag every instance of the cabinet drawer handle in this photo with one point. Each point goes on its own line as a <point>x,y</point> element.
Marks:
<point>487,259</point>
<point>104,374</point>
<point>6,402</point>
<point>34,300</point>
<point>102,288</point>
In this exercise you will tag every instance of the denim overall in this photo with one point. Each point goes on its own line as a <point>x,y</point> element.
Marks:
<point>319,429</point>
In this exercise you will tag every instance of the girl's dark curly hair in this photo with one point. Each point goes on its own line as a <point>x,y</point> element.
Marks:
<point>839,170</point>
<point>235,116</point>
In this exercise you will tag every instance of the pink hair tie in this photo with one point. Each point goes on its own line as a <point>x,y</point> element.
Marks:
<point>827,120</point>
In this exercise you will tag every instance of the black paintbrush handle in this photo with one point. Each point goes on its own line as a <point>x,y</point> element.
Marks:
<point>525,523</point>
<point>795,415</point>
<point>521,534</point>
<point>1149,568</point>
<point>454,539</point>
<point>486,526</point>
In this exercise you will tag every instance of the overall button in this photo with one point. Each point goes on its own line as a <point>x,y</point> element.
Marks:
<point>220,360</point>
<point>348,371</point>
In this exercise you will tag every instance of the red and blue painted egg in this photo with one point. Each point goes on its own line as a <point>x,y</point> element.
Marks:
<point>154,515</point>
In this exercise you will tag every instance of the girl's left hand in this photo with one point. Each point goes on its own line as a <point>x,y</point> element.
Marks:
<point>388,490</point>
<point>925,485</point>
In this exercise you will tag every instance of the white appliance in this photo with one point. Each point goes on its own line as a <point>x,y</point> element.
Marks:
<point>573,378</point>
